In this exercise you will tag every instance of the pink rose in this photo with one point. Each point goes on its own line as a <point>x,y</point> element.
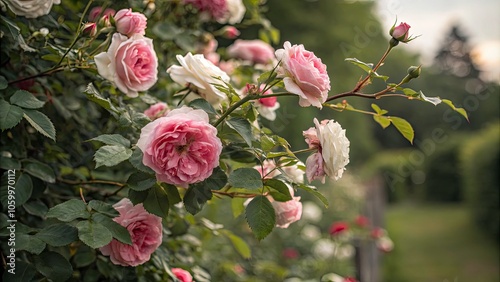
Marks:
<point>130,63</point>
<point>214,8</point>
<point>96,11</point>
<point>303,74</point>
<point>400,32</point>
<point>256,51</point>
<point>182,275</point>
<point>130,23</point>
<point>145,231</point>
<point>182,147</point>
<point>287,212</point>
<point>265,106</point>
<point>157,110</point>
<point>314,168</point>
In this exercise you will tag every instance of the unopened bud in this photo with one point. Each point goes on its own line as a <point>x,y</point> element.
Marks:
<point>230,32</point>
<point>414,71</point>
<point>89,29</point>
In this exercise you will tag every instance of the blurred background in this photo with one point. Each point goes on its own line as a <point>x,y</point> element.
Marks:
<point>438,198</point>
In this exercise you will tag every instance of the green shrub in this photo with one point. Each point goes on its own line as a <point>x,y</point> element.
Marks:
<point>480,161</point>
<point>442,171</point>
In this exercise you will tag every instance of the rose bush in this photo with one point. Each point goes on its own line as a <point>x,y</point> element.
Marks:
<point>170,127</point>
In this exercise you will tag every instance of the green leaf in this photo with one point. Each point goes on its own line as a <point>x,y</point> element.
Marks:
<point>10,115</point>
<point>93,95</point>
<point>3,83</point>
<point>39,170</point>
<point>24,272</point>
<point>136,161</point>
<point>237,206</point>
<point>93,234</point>
<point>260,216</point>
<point>172,193</point>
<point>36,207</point>
<point>267,77</point>
<point>203,105</point>
<point>166,30</point>
<point>110,155</point>
<point>25,99</point>
<point>239,244</point>
<point>24,188</point>
<point>84,256</point>
<point>137,197</point>
<point>267,143</point>
<point>403,127</point>
<point>383,121</point>
<point>410,92</point>
<point>157,202</point>
<point>112,139</point>
<point>69,210</point>
<point>248,178</point>
<point>118,232</point>
<point>9,163</point>
<point>51,58</point>
<point>458,110</point>
<point>196,196</point>
<point>140,181</point>
<point>243,127</point>
<point>103,208</point>
<point>378,110</point>
<point>314,191</point>
<point>29,243</point>
<point>58,235</point>
<point>364,66</point>
<point>54,266</point>
<point>217,180</point>
<point>280,191</point>
<point>41,123</point>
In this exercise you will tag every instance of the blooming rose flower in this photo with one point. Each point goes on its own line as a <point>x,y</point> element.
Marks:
<point>287,212</point>
<point>182,275</point>
<point>130,23</point>
<point>201,73</point>
<point>303,74</point>
<point>181,147</point>
<point>256,51</point>
<point>145,231</point>
<point>400,32</point>
<point>333,147</point>
<point>385,244</point>
<point>338,227</point>
<point>223,11</point>
<point>157,110</point>
<point>96,11</point>
<point>31,8</point>
<point>130,63</point>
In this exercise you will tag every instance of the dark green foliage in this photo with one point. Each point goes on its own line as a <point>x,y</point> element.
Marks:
<point>442,172</point>
<point>480,158</point>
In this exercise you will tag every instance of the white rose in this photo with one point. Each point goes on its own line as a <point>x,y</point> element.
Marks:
<point>235,12</point>
<point>200,72</point>
<point>267,112</point>
<point>31,8</point>
<point>334,147</point>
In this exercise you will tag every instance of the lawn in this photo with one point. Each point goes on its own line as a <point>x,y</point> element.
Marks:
<point>438,243</point>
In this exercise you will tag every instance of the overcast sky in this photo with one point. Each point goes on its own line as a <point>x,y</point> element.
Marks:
<point>432,19</point>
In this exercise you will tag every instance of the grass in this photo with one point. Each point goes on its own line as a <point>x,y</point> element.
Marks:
<point>438,243</point>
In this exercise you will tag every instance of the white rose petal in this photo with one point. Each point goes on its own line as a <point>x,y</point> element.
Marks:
<point>335,148</point>
<point>235,12</point>
<point>31,8</point>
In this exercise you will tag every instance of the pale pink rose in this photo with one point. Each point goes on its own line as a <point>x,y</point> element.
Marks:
<point>198,72</point>
<point>333,150</point>
<point>223,11</point>
<point>287,212</point>
<point>303,74</point>
<point>31,8</point>
<point>145,231</point>
<point>385,244</point>
<point>96,11</point>
<point>269,170</point>
<point>256,51</point>
<point>181,147</point>
<point>182,275</point>
<point>130,63</point>
<point>130,23</point>
<point>235,12</point>
<point>400,32</point>
<point>157,110</point>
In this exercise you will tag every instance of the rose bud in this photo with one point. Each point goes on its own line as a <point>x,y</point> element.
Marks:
<point>230,32</point>
<point>414,71</point>
<point>89,29</point>
<point>400,33</point>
